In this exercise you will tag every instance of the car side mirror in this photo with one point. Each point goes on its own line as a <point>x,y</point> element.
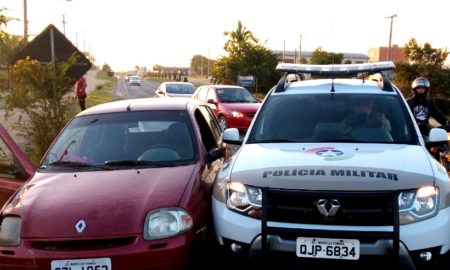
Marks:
<point>438,135</point>
<point>437,139</point>
<point>212,101</point>
<point>231,136</point>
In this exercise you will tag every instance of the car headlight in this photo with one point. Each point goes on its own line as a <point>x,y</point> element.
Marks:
<point>236,114</point>
<point>10,231</point>
<point>418,204</point>
<point>244,199</point>
<point>166,222</point>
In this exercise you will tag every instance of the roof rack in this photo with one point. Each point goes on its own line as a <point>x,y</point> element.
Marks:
<point>335,70</point>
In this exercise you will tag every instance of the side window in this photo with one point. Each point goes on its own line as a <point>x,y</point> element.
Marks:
<point>212,121</point>
<point>208,139</point>
<point>10,168</point>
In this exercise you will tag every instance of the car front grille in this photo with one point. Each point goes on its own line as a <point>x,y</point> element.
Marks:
<point>353,208</point>
<point>80,245</point>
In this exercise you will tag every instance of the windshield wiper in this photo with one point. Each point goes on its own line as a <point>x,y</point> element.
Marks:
<point>277,141</point>
<point>74,164</point>
<point>130,162</point>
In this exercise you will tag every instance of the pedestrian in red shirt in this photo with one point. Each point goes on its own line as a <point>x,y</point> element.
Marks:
<point>80,91</point>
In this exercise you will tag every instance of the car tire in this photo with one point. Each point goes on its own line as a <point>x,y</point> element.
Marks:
<point>223,122</point>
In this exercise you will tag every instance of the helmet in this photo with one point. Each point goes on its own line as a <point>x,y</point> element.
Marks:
<point>421,82</point>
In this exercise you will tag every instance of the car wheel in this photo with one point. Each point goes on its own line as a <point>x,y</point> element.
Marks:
<point>223,122</point>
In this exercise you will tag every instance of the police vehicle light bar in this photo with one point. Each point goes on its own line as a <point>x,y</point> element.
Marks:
<point>336,69</point>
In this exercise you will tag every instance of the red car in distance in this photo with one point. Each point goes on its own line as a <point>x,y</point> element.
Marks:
<point>15,168</point>
<point>234,106</point>
<point>125,185</point>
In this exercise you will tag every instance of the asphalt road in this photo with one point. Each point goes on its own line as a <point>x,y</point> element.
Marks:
<point>124,91</point>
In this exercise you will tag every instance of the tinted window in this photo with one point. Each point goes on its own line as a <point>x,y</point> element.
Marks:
<point>180,88</point>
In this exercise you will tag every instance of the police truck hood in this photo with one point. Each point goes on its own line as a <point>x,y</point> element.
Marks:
<point>333,166</point>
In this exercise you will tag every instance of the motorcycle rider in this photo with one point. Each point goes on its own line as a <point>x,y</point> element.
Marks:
<point>423,107</point>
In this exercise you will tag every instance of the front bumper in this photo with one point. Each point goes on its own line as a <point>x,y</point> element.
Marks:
<point>432,234</point>
<point>171,253</point>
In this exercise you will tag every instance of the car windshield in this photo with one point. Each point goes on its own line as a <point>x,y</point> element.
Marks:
<point>364,118</point>
<point>118,140</point>
<point>235,95</point>
<point>180,88</point>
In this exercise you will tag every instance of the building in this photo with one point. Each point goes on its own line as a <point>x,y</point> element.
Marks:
<point>293,56</point>
<point>381,54</point>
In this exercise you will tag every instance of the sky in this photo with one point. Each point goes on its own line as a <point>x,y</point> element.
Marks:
<point>125,34</point>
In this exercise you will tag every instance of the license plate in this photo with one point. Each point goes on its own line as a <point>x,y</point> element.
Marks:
<point>327,248</point>
<point>83,264</point>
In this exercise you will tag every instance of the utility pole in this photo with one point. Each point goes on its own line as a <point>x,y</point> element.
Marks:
<point>300,51</point>
<point>64,24</point>
<point>284,50</point>
<point>25,22</point>
<point>209,52</point>
<point>390,35</point>
<point>76,39</point>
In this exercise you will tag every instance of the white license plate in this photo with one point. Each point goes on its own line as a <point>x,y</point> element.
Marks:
<point>327,248</point>
<point>83,264</point>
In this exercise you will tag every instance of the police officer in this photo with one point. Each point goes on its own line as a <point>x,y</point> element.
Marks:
<point>423,107</point>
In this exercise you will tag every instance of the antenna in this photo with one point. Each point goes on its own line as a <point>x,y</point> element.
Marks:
<point>332,75</point>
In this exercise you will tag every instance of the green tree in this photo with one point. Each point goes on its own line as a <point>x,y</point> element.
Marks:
<point>321,57</point>
<point>425,55</point>
<point>245,57</point>
<point>426,61</point>
<point>3,18</point>
<point>39,94</point>
<point>106,68</point>
<point>10,45</point>
<point>199,64</point>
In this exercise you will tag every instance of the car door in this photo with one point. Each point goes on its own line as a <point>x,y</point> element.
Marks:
<point>15,167</point>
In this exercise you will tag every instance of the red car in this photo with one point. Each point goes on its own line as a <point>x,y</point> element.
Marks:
<point>234,106</point>
<point>15,168</point>
<point>126,185</point>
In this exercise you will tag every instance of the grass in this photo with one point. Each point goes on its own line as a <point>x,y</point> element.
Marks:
<point>100,95</point>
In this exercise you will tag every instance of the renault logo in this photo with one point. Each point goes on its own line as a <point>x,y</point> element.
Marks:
<point>80,226</point>
<point>328,208</point>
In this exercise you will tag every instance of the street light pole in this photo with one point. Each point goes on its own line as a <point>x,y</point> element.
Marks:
<point>25,22</point>
<point>390,35</point>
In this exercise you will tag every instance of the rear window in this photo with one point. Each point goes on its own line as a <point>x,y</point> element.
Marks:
<point>180,88</point>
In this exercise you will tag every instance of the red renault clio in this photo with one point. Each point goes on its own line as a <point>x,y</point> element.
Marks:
<point>126,185</point>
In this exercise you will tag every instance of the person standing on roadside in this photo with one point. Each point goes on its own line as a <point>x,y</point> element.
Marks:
<point>80,92</point>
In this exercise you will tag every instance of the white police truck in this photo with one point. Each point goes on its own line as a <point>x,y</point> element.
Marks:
<point>334,170</point>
